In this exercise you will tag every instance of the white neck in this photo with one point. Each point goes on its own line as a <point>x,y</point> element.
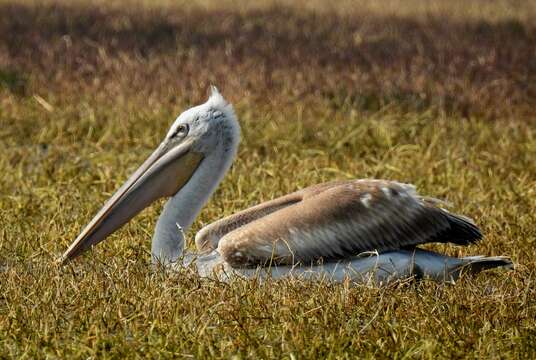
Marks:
<point>182,209</point>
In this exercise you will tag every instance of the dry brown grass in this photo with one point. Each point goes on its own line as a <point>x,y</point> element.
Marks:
<point>441,95</point>
<point>364,60</point>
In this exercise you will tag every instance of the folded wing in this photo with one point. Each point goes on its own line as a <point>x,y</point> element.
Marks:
<point>342,219</point>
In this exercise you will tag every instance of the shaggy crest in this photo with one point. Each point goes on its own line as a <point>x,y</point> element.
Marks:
<point>217,101</point>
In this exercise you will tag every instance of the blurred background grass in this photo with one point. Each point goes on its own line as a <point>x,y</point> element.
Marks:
<point>440,94</point>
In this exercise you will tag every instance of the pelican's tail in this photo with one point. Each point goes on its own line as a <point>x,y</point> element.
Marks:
<point>429,264</point>
<point>475,264</point>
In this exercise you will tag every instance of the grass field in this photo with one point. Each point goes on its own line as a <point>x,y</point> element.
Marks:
<point>439,94</point>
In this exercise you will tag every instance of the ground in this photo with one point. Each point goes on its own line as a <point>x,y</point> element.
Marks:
<point>439,94</point>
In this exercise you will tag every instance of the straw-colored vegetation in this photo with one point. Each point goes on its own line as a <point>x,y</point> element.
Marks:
<point>442,95</point>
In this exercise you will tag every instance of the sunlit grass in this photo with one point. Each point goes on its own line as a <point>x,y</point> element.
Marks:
<point>79,111</point>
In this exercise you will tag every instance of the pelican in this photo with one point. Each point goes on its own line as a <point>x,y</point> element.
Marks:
<point>357,230</point>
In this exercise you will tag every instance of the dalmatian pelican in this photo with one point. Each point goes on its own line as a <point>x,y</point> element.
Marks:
<point>320,231</point>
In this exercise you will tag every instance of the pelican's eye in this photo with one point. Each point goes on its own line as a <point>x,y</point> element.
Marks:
<point>181,131</point>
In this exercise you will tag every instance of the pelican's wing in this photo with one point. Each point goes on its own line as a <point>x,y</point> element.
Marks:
<point>337,220</point>
<point>208,237</point>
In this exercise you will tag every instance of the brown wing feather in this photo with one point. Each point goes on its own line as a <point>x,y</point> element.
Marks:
<point>337,220</point>
<point>208,237</point>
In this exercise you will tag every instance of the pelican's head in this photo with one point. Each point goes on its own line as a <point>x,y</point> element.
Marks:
<point>208,127</point>
<point>208,132</point>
